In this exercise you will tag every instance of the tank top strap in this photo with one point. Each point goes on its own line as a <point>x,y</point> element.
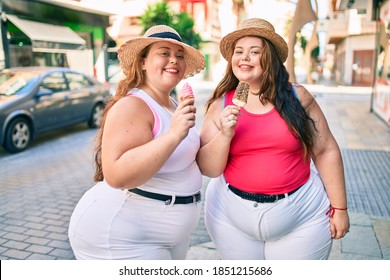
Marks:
<point>227,98</point>
<point>149,101</point>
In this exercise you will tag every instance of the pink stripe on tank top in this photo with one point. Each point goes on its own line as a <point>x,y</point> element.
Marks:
<point>157,121</point>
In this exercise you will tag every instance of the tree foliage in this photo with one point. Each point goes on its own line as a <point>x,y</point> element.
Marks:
<point>160,13</point>
<point>156,14</point>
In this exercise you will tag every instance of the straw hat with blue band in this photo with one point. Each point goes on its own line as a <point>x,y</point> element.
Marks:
<point>195,61</point>
<point>254,27</point>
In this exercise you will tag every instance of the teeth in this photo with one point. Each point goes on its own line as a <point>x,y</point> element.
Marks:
<point>171,70</point>
<point>245,67</point>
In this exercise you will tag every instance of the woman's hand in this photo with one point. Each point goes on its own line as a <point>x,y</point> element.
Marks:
<point>339,224</point>
<point>228,120</point>
<point>215,136</point>
<point>183,118</point>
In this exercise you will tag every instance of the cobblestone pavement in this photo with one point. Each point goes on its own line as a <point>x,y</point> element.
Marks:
<point>40,187</point>
<point>38,191</point>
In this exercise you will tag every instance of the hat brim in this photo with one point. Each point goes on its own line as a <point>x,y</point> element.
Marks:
<point>228,42</point>
<point>195,61</point>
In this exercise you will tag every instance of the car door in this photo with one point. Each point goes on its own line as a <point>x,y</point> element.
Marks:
<point>52,102</point>
<point>81,96</point>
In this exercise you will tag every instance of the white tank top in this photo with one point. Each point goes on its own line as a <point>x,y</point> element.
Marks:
<point>180,174</point>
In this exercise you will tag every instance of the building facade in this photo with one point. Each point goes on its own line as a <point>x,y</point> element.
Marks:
<point>352,30</point>
<point>381,89</point>
<point>359,32</point>
<point>53,33</point>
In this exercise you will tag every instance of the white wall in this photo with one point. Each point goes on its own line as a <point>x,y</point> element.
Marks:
<point>81,60</point>
<point>351,44</point>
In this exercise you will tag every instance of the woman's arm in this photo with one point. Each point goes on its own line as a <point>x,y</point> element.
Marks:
<point>217,131</point>
<point>328,161</point>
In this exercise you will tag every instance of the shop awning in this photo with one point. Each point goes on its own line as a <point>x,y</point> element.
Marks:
<point>48,37</point>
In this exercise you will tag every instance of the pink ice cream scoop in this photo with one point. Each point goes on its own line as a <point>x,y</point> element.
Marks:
<point>186,92</point>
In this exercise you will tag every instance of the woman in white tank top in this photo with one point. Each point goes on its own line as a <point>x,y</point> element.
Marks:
<point>144,204</point>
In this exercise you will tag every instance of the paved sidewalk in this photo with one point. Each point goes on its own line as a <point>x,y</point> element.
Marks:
<point>364,140</point>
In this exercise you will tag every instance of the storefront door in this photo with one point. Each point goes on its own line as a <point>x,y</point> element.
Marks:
<point>362,68</point>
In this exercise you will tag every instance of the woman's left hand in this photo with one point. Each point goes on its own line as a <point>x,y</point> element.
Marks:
<point>339,224</point>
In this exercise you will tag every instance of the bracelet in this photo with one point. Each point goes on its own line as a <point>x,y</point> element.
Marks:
<point>332,209</point>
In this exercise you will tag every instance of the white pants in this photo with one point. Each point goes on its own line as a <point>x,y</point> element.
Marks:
<point>109,223</point>
<point>295,227</point>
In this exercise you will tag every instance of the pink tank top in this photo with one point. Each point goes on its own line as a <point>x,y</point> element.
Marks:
<point>264,155</point>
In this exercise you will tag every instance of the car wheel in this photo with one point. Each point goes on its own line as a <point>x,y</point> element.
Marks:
<point>18,135</point>
<point>95,119</point>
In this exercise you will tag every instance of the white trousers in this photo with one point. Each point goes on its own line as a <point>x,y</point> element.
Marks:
<point>109,223</point>
<point>295,227</point>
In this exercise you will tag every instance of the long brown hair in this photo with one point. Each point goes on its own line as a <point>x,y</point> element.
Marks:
<point>276,89</point>
<point>134,79</point>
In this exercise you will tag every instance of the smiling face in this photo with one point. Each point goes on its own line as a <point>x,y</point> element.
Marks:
<point>246,59</point>
<point>164,65</point>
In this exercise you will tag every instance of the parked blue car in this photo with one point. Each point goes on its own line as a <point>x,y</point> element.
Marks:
<point>34,100</point>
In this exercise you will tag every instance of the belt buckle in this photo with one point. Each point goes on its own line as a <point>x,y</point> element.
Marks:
<point>276,197</point>
<point>167,202</point>
<point>194,198</point>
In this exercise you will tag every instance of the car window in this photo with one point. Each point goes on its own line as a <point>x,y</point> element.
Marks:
<point>15,83</point>
<point>55,82</point>
<point>76,81</point>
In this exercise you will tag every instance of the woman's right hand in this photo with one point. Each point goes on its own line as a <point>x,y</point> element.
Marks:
<point>228,120</point>
<point>183,118</point>
<point>216,134</point>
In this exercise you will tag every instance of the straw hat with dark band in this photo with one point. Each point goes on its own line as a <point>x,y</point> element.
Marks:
<point>127,53</point>
<point>254,27</point>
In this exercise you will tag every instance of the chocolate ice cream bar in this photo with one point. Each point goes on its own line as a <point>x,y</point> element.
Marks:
<point>241,95</point>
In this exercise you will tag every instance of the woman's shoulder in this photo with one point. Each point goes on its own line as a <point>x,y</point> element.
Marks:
<point>304,96</point>
<point>128,105</point>
<point>299,88</point>
<point>217,104</point>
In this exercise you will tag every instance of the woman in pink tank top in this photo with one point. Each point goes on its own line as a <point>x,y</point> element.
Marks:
<point>277,189</point>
